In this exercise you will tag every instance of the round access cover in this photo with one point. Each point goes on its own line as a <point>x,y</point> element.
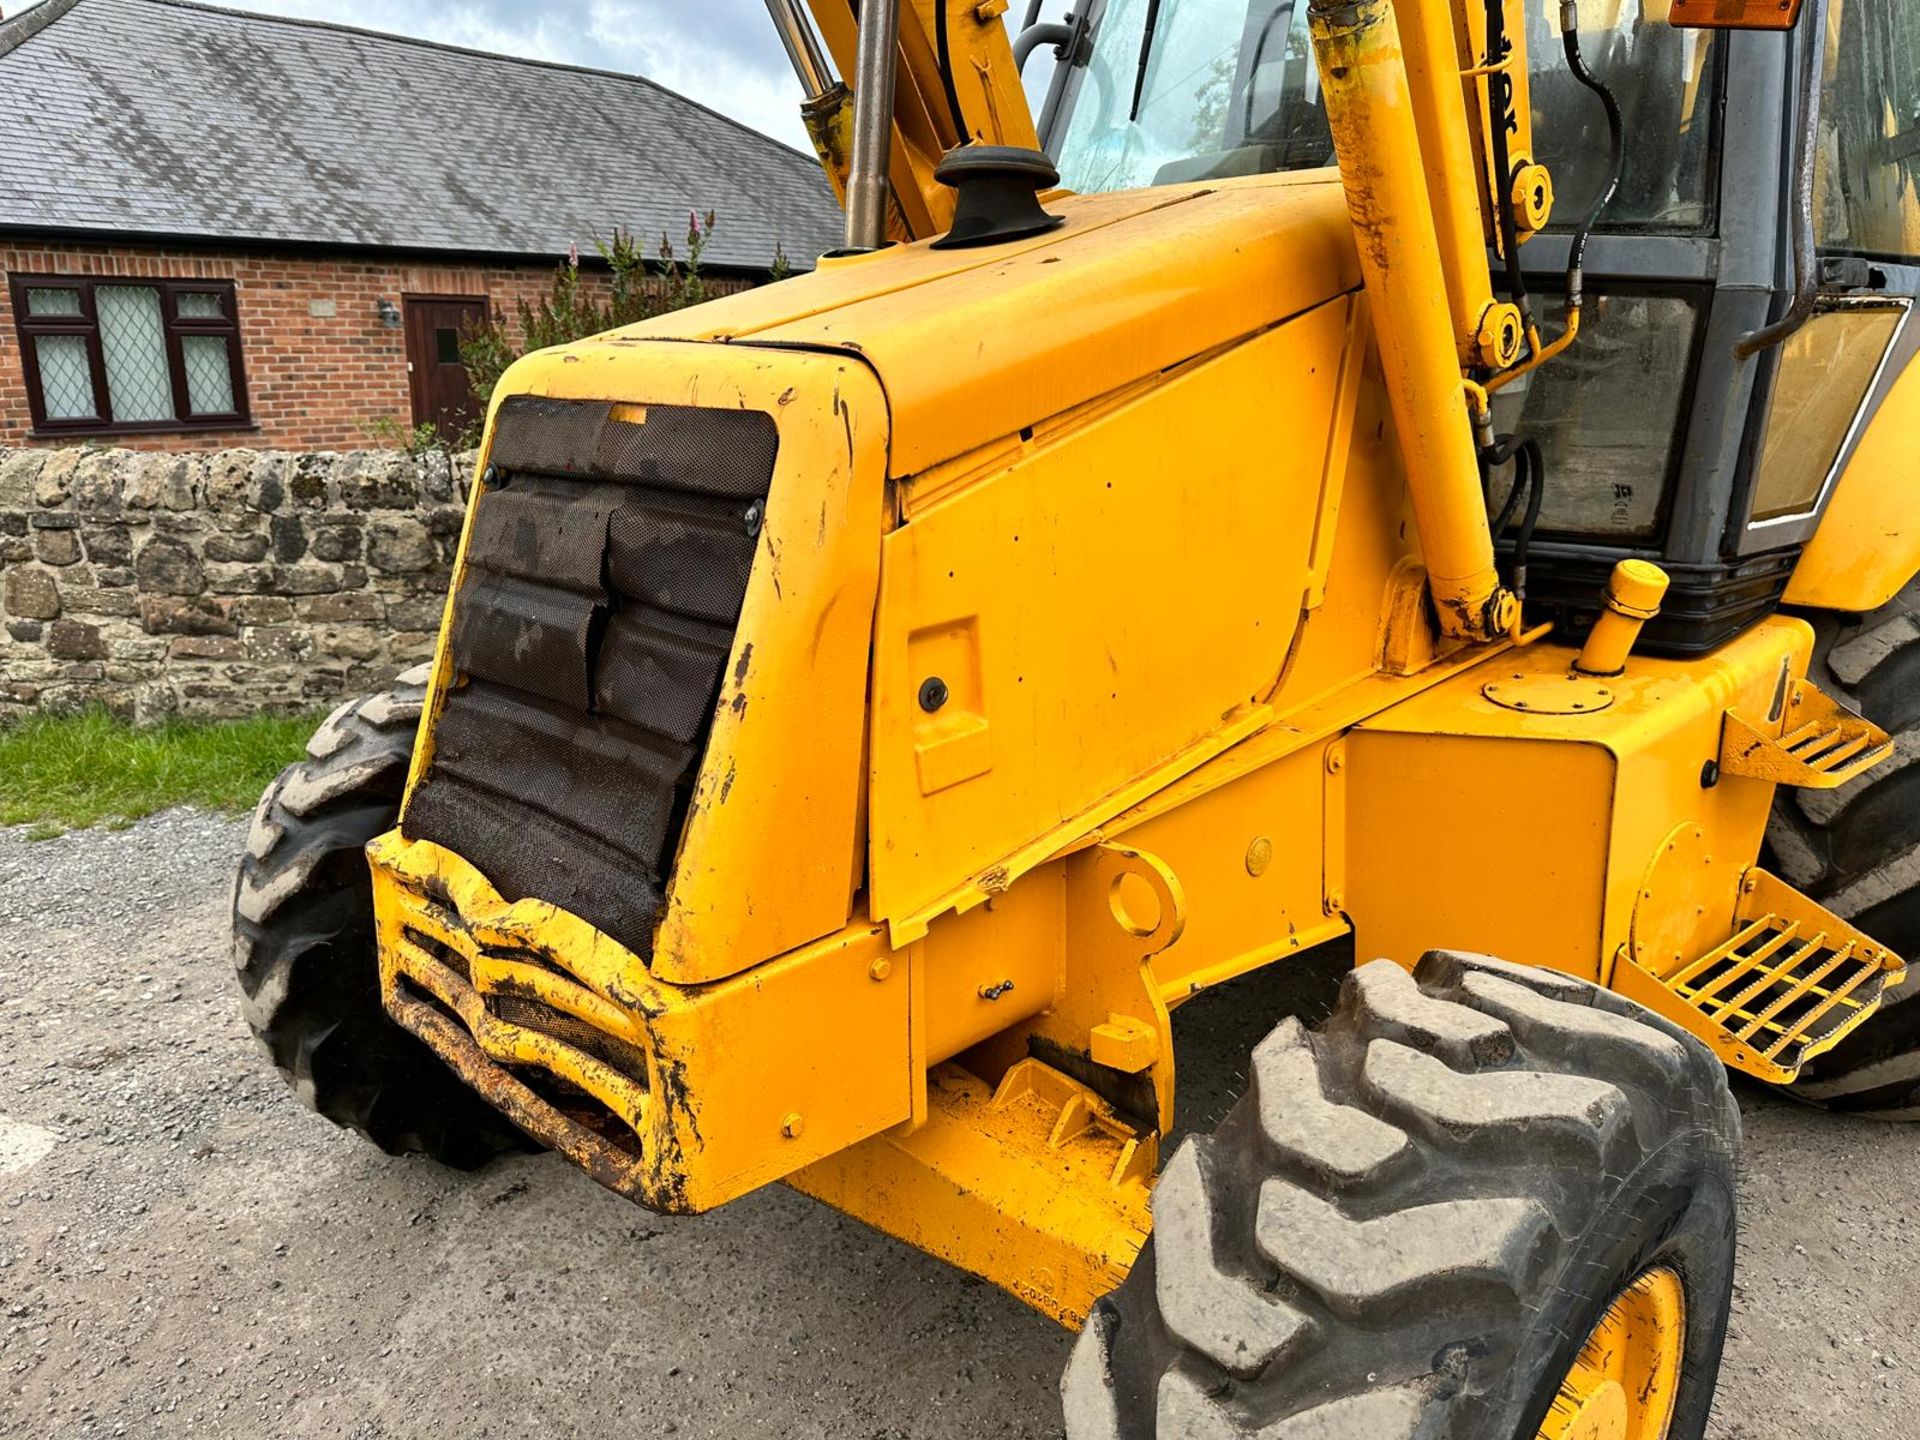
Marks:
<point>1549,694</point>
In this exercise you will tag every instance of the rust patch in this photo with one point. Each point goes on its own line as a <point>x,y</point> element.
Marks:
<point>605,1162</point>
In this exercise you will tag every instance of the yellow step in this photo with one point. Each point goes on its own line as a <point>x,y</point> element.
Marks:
<point>1816,743</point>
<point>1790,982</point>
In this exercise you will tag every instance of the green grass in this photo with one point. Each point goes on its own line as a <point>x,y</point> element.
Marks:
<point>68,772</point>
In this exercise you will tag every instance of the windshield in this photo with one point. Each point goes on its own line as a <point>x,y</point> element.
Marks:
<point>1202,89</point>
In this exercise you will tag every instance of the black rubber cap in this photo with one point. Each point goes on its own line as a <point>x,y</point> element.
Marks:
<point>999,194</point>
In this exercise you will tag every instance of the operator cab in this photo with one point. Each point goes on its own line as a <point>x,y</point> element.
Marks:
<point>1658,442</point>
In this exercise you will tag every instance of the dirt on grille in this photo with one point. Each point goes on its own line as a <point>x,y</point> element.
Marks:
<point>184,1251</point>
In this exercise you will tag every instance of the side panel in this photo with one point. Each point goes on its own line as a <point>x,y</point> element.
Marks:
<point>1868,544</point>
<point>1433,818</point>
<point>1557,839</point>
<point>770,855</point>
<point>1090,612</point>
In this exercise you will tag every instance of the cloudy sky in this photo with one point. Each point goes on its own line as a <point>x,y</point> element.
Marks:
<point>720,52</point>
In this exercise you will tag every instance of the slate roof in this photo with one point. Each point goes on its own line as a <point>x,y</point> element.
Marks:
<point>160,118</point>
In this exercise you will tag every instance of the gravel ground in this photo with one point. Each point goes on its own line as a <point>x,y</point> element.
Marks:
<point>183,1251</point>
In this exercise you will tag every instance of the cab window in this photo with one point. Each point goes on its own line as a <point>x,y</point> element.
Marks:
<point>1179,90</point>
<point>1867,188</point>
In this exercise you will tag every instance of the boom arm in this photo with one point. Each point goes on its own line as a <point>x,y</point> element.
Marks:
<point>973,98</point>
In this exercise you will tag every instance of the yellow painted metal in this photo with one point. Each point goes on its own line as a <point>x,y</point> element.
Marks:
<point>1569,694</point>
<point>787,818</point>
<point>1486,333</point>
<point>1633,595</point>
<point>1813,741</point>
<point>1867,546</point>
<point>1076,316</point>
<point>1572,810</point>
<point>1470,25</point>
<point>683,1125</point>
<point>1037,1184</point>
<point>1788,981</point>
<point>839,281</point>
<point>985,589</point>
<point>992,100</point>
<point>990,969</point>
<point>1540,355</point>
<point>1261,902</point>
<point>1625,1381</point>
<point>1370,109</point>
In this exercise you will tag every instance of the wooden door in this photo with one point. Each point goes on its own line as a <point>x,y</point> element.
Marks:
<point>441,395</point>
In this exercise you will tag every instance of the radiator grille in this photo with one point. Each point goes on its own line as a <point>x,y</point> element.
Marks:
<point>605,572</point>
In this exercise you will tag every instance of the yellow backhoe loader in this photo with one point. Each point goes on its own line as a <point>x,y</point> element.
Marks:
<point>1439,473</point>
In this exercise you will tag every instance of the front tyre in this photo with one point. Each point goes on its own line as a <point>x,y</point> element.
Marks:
<point>1481,1203</point>
<point>303,943</point>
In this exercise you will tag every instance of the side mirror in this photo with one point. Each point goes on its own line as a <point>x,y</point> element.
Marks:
<point>1734,14</point>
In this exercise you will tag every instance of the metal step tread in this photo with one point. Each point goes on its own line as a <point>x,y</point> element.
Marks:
<point>1816,743</point>
<point>1790,981</point>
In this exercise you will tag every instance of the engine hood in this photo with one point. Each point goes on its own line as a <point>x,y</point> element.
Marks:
<point>974,345</point>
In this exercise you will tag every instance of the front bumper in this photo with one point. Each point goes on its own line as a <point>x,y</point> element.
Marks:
<point>680,1098</point>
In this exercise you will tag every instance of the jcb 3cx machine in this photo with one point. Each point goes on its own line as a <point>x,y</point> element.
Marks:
<point>1433,472</point>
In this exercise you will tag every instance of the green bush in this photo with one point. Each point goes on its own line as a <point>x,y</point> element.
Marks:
<point>640,286</point>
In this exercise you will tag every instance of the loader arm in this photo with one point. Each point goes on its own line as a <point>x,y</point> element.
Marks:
<point>955,84</point>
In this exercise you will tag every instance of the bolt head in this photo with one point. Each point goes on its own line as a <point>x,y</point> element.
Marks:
<point>1259,855</point>
<point>881,968</point>
<point>793,1126</point>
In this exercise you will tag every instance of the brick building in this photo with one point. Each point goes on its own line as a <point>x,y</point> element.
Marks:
<point>223,229</point>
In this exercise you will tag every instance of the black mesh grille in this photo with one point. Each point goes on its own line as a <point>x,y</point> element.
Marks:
<point>728,453</point>
<point>605,572</point>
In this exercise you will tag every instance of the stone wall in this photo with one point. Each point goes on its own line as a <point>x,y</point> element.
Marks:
<point>218,584</point>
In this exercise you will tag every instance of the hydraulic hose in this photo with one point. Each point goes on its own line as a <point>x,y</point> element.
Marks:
<point>1616,151</point>
<point>943,45</point>
<point>1536,467</point>
<point>1577,251</point>
<point>1529,486</point>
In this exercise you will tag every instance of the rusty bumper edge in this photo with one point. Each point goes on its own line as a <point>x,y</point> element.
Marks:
<point>606,1163</point>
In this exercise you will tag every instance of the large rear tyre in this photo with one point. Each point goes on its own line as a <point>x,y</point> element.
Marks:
<point>1481,1203</point>
<point>1857,851</point>
<point>303,943</point>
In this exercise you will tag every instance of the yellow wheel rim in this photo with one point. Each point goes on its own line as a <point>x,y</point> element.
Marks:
<point>1624,1383</point>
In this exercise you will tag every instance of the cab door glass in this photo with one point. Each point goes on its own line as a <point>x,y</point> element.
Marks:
<point>1159,90</point>
<point>1607,414</point>
<point>1826,369</point>
<point>1867,187</point>
<point>1667,82</point>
